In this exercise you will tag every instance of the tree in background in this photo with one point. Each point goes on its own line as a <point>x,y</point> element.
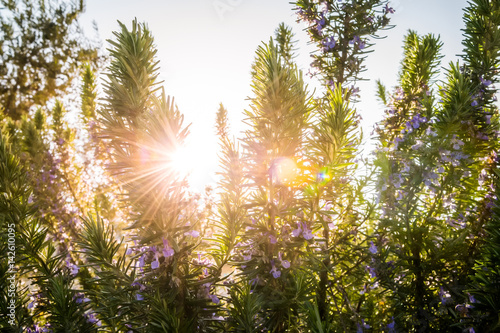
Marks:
<point>41,52</point>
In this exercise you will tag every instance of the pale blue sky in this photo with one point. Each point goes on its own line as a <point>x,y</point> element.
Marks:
<point>206,48</point>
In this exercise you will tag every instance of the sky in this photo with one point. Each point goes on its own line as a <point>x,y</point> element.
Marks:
<point>206,48</point>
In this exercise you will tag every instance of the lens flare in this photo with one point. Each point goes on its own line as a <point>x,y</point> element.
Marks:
<point>283,171</point>
<point>323,176</point>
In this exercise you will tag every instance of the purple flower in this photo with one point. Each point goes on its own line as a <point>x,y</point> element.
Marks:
<point>284,263</point>
<point>430,131</point>
<point>371,271</point>
<point>141,260</point>
<point>296,232</point>
<point>138,284</point>
<point>355,91</point>
<point>214,299</point>
<point>153,249</point>
<point>167,250</point>
<point>139,297</point>
<point>428,182</point>
<point>36,329</point>
<point>397,140</point>
<point>391,327</point>
<point>307,234</point>
<point>80,298</point>
<point>373,248</point>
<point>272,239</point>
<point>129,251</point>
<point>192,233</point>
<point>328,43</point>
<point>482,136</point>
<point>358,42</point>
<point>474,103</point>
<point>485,82</point>
<point>74,270</point>
<point>155,264</point>
<point>389,10</point>
<point>91,318</point>
<point>276,273</point>
<point>320,24</point>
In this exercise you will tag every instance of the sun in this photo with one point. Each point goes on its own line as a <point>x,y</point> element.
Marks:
<point>183,160</point>
<point>284,171</point>
<point>194,162</point>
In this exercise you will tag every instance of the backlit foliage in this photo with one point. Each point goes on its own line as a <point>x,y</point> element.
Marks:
<point>301,233</point>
